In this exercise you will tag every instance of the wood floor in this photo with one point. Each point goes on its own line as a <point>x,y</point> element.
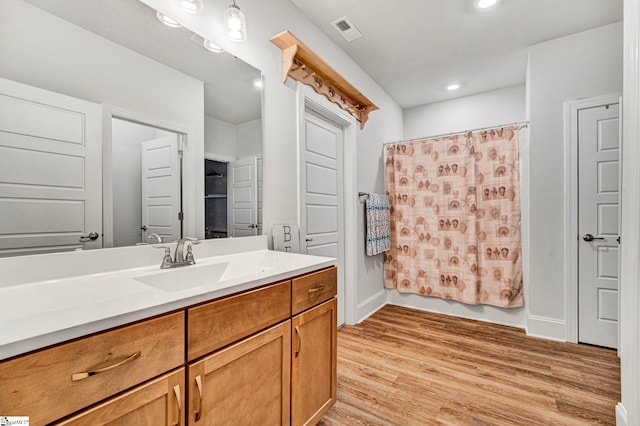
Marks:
<point>407,367</point>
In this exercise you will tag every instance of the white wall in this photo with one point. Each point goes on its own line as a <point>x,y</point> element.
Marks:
<point>264,20</point>
<point>220,138</point>
<point>578,66</point>
<point>249,139</point>
<point>127,214</point>
<point>42,50</point>
<point>487,109</point>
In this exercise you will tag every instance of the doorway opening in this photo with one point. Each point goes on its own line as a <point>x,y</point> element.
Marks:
<point>215,199</point>
<point>593,153</point>
<point>142,186</point>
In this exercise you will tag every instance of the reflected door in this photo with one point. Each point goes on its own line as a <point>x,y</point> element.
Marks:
<point>50,171</point>
<point>598,198</point>
<point>161,209</point>
<point>244,197</point>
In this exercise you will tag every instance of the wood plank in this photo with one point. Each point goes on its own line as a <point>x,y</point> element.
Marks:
<point>219,323</point>
<point>408,367</point>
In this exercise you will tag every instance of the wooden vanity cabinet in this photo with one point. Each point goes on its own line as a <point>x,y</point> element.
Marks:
<point>261,357</point>
<point>314,346</point>
<point>247,383</point>
<point>157,403</point>
<point>55,382</point>
<point>313,363</point>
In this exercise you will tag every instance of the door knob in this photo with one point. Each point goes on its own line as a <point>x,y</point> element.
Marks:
<point>91,237</point>
<point>143,227</point>
<point>308,239</point>
<point>589,237</point>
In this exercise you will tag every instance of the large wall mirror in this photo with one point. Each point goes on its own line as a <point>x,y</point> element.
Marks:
<point>115,126</point>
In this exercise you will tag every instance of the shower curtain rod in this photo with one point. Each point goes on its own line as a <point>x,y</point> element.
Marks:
<point>523,125</point>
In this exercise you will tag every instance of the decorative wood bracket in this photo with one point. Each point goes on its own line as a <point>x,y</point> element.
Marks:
<point>305,66</point>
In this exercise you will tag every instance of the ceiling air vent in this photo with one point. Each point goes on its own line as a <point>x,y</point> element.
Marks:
<point>346,29</point>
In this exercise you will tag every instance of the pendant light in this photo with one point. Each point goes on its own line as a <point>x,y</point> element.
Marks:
<point>235,24</point>
<point>191,6</point>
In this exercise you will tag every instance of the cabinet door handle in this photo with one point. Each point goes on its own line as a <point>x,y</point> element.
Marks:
<point>298,340</point>
<point>79,376</point>
<point>198,410</point>
<point>317,289</point>
<point>176,392</point>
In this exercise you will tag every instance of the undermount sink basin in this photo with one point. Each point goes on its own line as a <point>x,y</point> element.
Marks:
<point>199,275</point>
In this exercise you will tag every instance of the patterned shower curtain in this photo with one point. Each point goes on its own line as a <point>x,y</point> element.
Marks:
<point>455,217</point>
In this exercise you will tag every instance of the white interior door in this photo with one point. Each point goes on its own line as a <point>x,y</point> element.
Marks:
<point>598,225</point>
<point>50,171</point>
<point>321,213</point>
<point>161,207</point>
<point>243,192</point>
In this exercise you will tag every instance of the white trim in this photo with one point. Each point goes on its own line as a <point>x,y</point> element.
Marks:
<point>371,305</point>
<point>188,178</point>
<point>307,98</point>
<point>571,109</point>
<point>621,415</point>
<point>546,328</point>
<point>218,157</point>
<point>630,272</point>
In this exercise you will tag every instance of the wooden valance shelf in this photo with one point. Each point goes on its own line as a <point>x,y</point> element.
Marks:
<point>305,66</point>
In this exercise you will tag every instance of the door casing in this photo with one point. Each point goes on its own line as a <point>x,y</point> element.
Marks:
<point>308,99</point>
<point>571,109</point>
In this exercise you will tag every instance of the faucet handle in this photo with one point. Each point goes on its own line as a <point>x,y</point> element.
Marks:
<point>189,257</point>
<point>166,259</point>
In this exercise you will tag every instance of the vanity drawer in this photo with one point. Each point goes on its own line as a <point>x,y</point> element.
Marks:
<point>214,325</point>
<point>55,382</point>
<point>314,288</point>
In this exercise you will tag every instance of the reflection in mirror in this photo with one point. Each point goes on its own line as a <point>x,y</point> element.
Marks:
<point>74,74</point>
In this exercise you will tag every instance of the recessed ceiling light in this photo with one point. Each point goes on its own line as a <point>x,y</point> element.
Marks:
<point>212,47</point>
<point>167,21</point>
<point>453,86</point>
<point>258,84</point>
<point>191,6</point>
<point>485,4</point>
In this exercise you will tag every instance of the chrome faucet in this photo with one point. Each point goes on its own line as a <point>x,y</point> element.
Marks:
<point>153,236</point>
<point>179,258</point>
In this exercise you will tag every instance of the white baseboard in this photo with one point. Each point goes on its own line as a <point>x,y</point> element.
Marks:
<point>621,415</point>
<point>369,306</point>
<point>546,328</point>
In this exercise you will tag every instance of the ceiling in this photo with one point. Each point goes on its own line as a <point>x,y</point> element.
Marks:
<point>228,82</point>
<point>414,48</point>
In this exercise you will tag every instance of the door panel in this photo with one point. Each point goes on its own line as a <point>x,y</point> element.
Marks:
<point>598,198</point>
<point>244,197</point>
<point>50,171</point>
<point>161,188</point>
<point>321,213</point>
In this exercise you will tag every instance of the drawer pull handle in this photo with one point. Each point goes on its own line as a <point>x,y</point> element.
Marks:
<point>317,289</point>
<point>79,376</point>
<point>176,392</point>
<point>299,341</point>
<point>198,411</point>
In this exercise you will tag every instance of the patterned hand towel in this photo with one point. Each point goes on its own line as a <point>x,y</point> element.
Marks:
<point>378,230</point>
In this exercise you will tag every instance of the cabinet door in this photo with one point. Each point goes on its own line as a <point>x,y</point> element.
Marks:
<point>313,364</point>
<point>247,383</point>
<point>159,402</point>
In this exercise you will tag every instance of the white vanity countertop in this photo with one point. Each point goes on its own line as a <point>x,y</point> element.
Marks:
<point>37,314</point>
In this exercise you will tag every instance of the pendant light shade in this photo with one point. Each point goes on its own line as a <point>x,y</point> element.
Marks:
<point>235,25</point>
<point>191,6</point>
